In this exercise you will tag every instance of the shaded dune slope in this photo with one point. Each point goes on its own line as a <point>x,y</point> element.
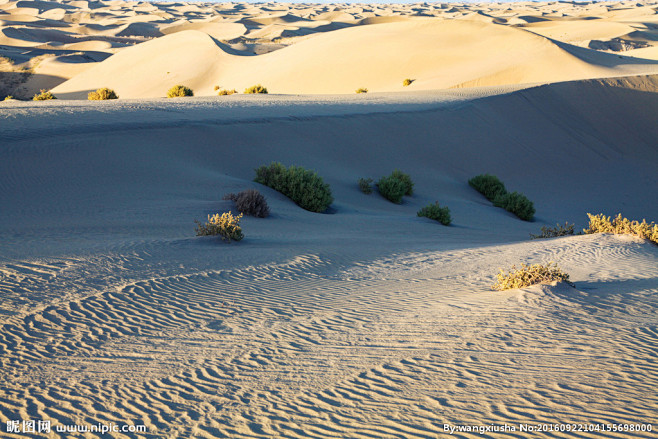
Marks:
<point>370,322</point>
<point>437,54</point>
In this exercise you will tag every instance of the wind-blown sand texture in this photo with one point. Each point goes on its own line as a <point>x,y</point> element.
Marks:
<point>363,322</point>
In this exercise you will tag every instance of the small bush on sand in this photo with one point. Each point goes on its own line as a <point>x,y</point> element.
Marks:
<point>43,95</point>
<point>306,188</point>
<point>227,226</point>
<point>216,88</point>
<point>365,185</point>
<point>529,275</point>
<point>554,232</point>
<point>224,92</point>
<point>516,203</point>
<point>362,90</point>
<point>407,82</point>
<point>250,202</point>
<point>395,186</point>
<point>436,212</point>
<point>179,91</point>
<point>406,181</point>
<point>488,185</point>
<point>620,225</point>
<point>102,94</point>
<point>392,189</point>
<point>254,89</point>
<point>9,98</point>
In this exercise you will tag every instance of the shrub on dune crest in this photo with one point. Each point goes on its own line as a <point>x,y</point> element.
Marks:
<point>619,225</point>
<point>255,89</point>
<point>227,226</point>
<point>436,212</point>
<point>43,95</point>
<point>306,188</point>
<point>362,90</point>
<point>225,92</point>
<point>179,91</point>
<point>528,275</point>
<point>102,94</point>
<point>554,232</point>
<point>250,202</point>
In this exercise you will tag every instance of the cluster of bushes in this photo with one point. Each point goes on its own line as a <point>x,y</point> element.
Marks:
<point>102,94</point>
<point>227,226</point>
<point>43,95</point>
<point>306,188</point>
<point>494,190</point>
<point>179,91</point>
<point>619,225</point>
<point>250,202</point>
<point>528,275</point>
<point>395,186</point>
<point>255,89</point>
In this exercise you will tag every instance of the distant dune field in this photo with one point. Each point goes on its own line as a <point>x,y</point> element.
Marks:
<point>142,49</point>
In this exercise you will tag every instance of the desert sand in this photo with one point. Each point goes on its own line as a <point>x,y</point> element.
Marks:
<point>362,322</point>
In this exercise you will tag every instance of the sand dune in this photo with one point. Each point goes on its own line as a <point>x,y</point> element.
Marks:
<point>429,51</point>
<point>243,30</point>
<point>366,322</point>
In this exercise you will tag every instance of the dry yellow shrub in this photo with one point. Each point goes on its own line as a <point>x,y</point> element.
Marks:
<point>529,275</point>
<point>226,225</point>
<point>619,225</point>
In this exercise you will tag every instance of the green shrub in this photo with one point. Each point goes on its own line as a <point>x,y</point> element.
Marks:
<point>179,91</point>
<point>102,94</point>
<point>406,181</point>
<point>516,203</point>
<point>306,188</point>
<point>529,275</point>
<point>488,185</point>
<point>619,225</point>
<point>392,189</point>
<point>224,92</point>
<point>365,184</point>
<point>227,226</point>
<point>554,232</point>
<point>254,89</point>
<point>407,82</point>
<point>362,90</point>
<point>43,95</point>
<point>436,212</point>
<point>250,202</point>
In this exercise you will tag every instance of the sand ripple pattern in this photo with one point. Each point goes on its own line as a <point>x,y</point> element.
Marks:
<point>390,348</point>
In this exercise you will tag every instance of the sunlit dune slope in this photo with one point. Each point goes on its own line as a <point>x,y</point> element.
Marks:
<point>434,53</point>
